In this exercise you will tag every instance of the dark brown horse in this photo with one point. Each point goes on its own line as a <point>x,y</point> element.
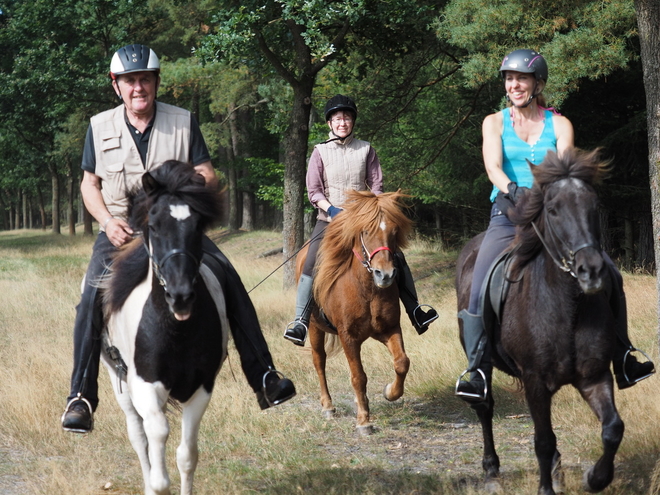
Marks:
<point>556,327</point>
<point>355,286</point>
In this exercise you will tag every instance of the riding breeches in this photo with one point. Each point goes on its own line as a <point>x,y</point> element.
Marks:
<point>501,231</point>
<point>250,343</point>
<point>313,247</point>
<point>88,325</point>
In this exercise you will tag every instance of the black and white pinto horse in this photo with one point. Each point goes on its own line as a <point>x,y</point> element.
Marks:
<point>166,320</point>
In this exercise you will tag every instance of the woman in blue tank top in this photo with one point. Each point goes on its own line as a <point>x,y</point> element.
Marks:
<point>523,131</point>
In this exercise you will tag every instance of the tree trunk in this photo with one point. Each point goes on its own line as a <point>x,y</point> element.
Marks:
<point>648,21</point>
<point>645,244</point>
<point>248,209</point>
<point>71,197</point>
<point>42,208</point>
<point>295,168</point>
<point>232,176</point>
<point>55,183</point>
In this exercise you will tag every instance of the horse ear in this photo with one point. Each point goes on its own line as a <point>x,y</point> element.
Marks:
<point>149,184</point>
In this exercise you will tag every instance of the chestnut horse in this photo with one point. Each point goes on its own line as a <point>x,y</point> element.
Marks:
<point>356,293</point>
<point>556,327</point>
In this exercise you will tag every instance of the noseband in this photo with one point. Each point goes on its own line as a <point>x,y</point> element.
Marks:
<point>366,257</point>
<point>564,256</point>
<point>157,266</point>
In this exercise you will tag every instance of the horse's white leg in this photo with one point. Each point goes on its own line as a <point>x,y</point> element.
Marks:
<point>134,425</point>
<point>150,400</point>
<point>186,452</point>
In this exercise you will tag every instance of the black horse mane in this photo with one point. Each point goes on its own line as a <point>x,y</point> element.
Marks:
<point>572,164</point>
<point>131,263</point>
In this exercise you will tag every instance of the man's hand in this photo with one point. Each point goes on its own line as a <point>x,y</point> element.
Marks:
<point>118,232</point>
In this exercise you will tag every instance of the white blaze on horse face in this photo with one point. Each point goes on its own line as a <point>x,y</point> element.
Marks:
<point>180,212</point>
<point>383,225</point>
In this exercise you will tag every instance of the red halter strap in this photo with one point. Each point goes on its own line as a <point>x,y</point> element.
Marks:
<point>366,259</point>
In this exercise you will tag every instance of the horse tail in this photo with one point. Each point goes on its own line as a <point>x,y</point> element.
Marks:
<point>332,345</point>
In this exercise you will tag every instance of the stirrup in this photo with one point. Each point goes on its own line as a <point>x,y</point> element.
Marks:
<point>427,322</point>
<point>623,365</point>
<point>263,388</point>
<point>469,395</point>
<point>294,338</point>
<point>77,398</point>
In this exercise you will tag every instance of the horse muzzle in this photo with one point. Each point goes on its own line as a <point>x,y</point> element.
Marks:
<point>180,304</point>
<point>590,271</point>
<point>383,278</point>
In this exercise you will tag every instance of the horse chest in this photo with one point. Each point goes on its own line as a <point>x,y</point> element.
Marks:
<point>182,355</point>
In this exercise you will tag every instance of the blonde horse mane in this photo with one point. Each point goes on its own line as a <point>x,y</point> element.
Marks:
<point>363,212</point>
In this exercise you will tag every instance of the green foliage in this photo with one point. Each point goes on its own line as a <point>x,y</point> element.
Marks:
<point>583,39</point>
<point>270,175</point>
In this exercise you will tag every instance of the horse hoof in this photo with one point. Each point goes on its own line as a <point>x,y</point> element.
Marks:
<point>329,413</point>
<point>365,430</point>
<point>386,391</point>
<point>595,486</point>
<point>493,486</point>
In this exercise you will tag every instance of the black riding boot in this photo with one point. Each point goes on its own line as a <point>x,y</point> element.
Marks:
<point>296,331</point>
<point>419,318</point>
<point>479,363</point>
<point>627,369</point>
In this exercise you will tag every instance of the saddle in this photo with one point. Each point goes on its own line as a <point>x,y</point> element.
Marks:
<point>495,289</point>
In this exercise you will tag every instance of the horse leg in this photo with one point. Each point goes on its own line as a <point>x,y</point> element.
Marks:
<point>539,400</point>
<point>394,344</point>
<point>187,452</point>
<point>490,461</point>
<point>601,399</point>
<point>359,381</point>
<point>134,425</point>
<point>149,400</point>
<point>319,356</point>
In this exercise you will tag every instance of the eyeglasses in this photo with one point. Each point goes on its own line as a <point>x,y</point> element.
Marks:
<point>337,120</point>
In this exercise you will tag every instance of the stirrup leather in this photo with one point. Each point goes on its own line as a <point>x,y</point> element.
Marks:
<point>429,321</point>
<point>469,395</point>
<point>296,340</point>
<point>623,365</point>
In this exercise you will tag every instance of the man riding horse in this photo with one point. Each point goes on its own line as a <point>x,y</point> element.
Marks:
<point>121,144</point>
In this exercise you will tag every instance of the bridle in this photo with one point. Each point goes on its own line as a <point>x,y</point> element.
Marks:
<point>157,265</point>
<point>564,255</point>
<point>366,257</point>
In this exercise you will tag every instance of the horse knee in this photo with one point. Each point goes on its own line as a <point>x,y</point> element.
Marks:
<point>402,365</point>
<point>613,433</point>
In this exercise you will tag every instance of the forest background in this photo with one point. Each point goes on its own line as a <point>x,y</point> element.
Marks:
<point>257,75</point>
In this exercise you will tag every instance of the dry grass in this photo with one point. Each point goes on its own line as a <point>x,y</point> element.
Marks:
<point>428,442</point>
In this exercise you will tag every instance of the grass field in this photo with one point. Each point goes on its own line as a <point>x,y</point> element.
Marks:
<point>427,442</point>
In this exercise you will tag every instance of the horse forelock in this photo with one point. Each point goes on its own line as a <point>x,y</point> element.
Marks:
<point>180,181</point>
<point>580,168</point>
<point>364,211</point>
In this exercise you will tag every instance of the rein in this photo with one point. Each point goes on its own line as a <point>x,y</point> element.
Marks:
<point>366,257</point>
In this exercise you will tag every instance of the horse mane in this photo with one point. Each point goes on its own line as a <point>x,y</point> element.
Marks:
<point>131,263</point>
<point>363,211</point>
<point>573,163</point>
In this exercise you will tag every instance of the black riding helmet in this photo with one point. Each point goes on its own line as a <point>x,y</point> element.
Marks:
<point>337,103</point>
<point>528,62</point>
<point>133,58</point>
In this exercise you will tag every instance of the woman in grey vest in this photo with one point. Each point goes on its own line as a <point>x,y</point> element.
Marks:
<point>337,165</point>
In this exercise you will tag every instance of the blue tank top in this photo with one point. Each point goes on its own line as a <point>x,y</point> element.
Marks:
<point>515,151</point>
